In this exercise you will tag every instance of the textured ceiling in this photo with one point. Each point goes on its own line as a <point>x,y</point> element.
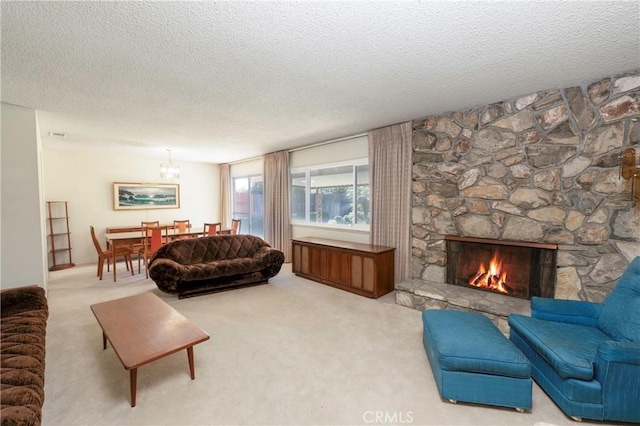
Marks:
<point>224,81</point>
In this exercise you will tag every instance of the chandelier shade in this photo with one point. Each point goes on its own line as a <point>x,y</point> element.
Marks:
<point>169,170</point>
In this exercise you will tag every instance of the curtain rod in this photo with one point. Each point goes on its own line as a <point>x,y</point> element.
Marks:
<point>300,148</point>
<point>313,145</point>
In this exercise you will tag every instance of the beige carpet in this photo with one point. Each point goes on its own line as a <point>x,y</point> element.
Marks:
<point>293,352</point>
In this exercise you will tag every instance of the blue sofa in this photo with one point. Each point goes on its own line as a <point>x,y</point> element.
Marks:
<point>586,356</point>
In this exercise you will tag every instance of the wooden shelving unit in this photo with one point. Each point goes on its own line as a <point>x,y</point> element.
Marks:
<point>59,235</point>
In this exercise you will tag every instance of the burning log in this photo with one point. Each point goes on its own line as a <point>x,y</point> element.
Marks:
<point>480,278</point>
<point>493,278</point>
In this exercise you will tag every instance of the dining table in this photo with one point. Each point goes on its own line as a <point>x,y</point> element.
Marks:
<point>115,239</point>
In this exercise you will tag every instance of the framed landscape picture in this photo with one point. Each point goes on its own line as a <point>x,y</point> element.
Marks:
<point>144,196</point>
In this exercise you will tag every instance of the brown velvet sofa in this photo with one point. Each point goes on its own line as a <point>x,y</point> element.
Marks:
<point>209,264</point>
<point>22,347</point>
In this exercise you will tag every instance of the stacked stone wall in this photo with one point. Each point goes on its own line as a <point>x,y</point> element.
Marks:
<point>540,168</point>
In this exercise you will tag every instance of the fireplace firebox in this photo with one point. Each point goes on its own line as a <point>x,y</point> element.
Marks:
<point>518,269</point>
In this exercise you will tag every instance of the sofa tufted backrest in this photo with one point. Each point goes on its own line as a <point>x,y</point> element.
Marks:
<point>620,316</point>
<point>208,249</point>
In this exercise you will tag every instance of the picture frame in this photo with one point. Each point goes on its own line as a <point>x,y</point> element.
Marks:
<point>145,196</point>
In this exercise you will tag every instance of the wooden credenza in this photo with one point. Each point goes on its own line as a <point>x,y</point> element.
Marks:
<point>364,269</point>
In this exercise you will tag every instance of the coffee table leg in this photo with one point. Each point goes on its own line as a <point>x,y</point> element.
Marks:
<point>104,341</point>
<point>192,368</point>
<point>133,375</point>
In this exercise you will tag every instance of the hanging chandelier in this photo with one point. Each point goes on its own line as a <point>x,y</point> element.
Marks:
<point>169,170</point>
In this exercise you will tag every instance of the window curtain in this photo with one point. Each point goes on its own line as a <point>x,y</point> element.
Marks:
<point>277,207</point>
<point>225,196</point>
<point>390,151</point>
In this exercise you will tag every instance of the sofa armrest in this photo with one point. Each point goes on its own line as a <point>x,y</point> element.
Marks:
<point>620,352</point>
<point>266,255</point>
<point>165,270</point>
<point>15,300</point>
<point>617,368</point>
<point>568,311</point>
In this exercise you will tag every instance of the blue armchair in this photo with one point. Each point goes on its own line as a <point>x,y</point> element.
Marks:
<point>586,356</point>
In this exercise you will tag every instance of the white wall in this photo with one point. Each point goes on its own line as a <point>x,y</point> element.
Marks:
<point>22,241</point>
<point>85,179</point>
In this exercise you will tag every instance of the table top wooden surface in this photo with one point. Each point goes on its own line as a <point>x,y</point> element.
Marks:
<point>143,328</point>
<point>367,248</point>
<point>119,236</point>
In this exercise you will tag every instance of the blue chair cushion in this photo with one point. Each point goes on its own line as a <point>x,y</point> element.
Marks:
<point>620,316</point>
<point>570,348</point>
<point>467,341</point>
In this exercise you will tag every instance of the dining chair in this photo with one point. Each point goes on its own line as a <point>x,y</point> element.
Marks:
<point>103,255</point>
<point>181,226</point>
<point>211,229</point>
<point>153,238</point>
<point>144,224</point>
<point>235,226</point>
<point>138,248</point>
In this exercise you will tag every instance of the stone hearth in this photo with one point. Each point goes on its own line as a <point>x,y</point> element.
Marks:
<point>541,168</point>
<point>419,294</point>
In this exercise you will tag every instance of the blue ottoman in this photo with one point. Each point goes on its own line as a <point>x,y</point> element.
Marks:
<point>473,361</point>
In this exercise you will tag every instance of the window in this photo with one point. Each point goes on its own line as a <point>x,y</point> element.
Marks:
<point>331,194</point>
<point>248,205</point>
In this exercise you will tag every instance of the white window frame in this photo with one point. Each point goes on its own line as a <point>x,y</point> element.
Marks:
<point>307,170</point>
<point>246,228</point>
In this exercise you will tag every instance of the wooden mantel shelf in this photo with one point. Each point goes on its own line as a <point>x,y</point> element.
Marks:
<point>501,242</point>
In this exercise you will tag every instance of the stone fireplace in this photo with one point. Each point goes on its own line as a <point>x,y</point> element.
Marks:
<point>541,168</point>
<point>516,269</point>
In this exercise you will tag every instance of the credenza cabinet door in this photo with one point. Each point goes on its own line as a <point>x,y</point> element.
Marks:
<point>357,278</point>
<point>309,260</point>
<point>363,272</point>
<point>317,261</point>
<point>297,265</point>
<point>339,267</point>
<point>359,268</point>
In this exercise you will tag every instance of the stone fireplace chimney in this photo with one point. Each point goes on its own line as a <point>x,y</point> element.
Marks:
<point>539,168</point>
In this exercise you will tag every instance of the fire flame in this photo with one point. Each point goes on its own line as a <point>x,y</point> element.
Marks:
<point>494,278</point>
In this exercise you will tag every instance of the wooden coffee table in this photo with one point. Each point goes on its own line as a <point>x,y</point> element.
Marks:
<point>142,329</point>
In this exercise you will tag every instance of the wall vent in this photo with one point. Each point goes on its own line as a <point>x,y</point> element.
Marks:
<point>59,135</point>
